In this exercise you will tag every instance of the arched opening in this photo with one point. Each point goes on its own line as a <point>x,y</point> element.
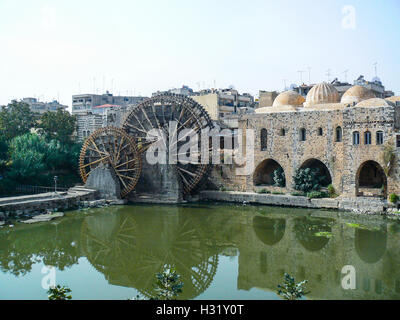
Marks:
<point>313,233</point>
<point>264,140</point>
<point>356,138</point>
<point>269,231</point>
<point>303,134</point>
<point>367,138</point>
<point>339,134</point>
<point>268,172</point>
<point>371,180</point>
<point>322,169</point>
<point>370,244</point>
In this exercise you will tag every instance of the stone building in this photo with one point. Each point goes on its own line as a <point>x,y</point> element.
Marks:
<point>42,107</point>
<point>354,141</point>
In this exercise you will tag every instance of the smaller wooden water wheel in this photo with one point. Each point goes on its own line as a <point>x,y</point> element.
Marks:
<point>112,147</point>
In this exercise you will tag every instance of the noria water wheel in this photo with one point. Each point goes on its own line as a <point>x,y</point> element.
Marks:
<point>157,113</point>
<point>115,148</point>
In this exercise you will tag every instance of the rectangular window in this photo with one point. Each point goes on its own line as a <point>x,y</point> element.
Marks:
<point>398,141</point>
<point>379,137</point>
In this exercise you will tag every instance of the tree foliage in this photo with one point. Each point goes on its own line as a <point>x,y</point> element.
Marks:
<point>59,125</point>
<point>279,178</point>
<point>168,285</point>
<point>308,179</point>
<point>59,293</point>
<point>16,119</point>
<point>291,290</point>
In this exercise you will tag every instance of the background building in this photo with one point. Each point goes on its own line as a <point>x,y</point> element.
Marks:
<point>221,103</point>
<point>83,103</point>
<point>42,107</point>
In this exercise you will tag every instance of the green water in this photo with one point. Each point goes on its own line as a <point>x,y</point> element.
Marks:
<point>220,251</point>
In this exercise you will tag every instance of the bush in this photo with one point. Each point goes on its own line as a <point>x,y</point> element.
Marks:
<point>264,191</point>
<point>332,191</point>
<point>308,179</point>
<point>291,290</point>
<point>393,198</point>
<point>59,293</point>
<point>279,178</point>
<point>276,192</point>
<point>317,195</point>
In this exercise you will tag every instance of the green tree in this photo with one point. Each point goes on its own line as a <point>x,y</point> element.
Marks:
<point>168,285</point>
<point>308,179</point>
<point>291,290</point>
<point>59,125</point>
<point>59,293</point>
<point>279,178</point>
<point>16,119</point>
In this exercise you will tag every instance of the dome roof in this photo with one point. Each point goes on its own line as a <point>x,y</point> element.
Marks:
<point>322,93</point>
<point>357,94</point>
<point>393,99</point>
<point>374,102</point>
<point>288,98</point>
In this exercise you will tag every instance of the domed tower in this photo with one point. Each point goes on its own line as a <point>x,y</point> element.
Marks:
<point>322,93</point>
<point>357,94</point>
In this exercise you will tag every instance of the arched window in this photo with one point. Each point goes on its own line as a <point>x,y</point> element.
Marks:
<point>379,137</point>
<point>320,131</point>
<point>339,134</point>
<point>356,138</point>
<point>283,132</point>
<point>264,139</point>
<point>303,134</point>
<point>367,137</point>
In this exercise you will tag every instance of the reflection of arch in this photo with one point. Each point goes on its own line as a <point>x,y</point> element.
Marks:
<point>371,175</point>
<point>264,173</point>
<point>269,231</point>
<point>313,233</point>
<point>128,253</point>
<point>370,244</point>
<point>323,170</point>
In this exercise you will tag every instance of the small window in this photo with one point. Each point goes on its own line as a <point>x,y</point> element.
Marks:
<point>264,140</point>
<point>320,131</point>
<point>379,137</point>
<point>367,138</point>
<point>282,132</point>
<point>338,134</point>
<point>356,138</point>
<point>303,135</point>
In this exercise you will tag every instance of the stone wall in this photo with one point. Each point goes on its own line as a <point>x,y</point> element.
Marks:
<point>342,159</point>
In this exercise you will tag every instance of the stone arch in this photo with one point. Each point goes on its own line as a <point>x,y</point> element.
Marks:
<point>370,175</point>
<point>323,169</point>
<point>269,231</point>
<point>370,244</point>
<point>263,175</point>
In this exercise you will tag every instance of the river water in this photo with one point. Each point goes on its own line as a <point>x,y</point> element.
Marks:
<point>220,251</point>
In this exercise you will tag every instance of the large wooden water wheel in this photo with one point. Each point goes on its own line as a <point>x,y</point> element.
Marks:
<point>114,148</point>
<point>157,113</point>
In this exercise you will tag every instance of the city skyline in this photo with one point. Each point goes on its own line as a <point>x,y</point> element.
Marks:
<point>52,50</point>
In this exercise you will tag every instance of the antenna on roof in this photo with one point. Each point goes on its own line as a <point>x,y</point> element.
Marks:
<point>328,74</point>
<point>345,74</point>
<point>376,68</point>
<point>309,75</point>
<point>301,76</point>
<point>284,83</point>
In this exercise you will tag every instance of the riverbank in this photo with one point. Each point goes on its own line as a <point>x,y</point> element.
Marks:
<point>364,205</point>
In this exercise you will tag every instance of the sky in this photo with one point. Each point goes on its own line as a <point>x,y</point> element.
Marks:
<point>54,49</point>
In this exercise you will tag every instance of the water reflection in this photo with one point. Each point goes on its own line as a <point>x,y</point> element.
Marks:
<point>129,245</point>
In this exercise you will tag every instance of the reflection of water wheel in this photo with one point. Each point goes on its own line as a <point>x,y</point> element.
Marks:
<point>163,111</point>
<point>112,147</point>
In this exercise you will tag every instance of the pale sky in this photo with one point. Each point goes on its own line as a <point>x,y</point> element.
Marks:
<point>54,49</point>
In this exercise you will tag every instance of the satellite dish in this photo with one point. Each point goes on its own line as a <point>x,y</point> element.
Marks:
<point>376,79</point>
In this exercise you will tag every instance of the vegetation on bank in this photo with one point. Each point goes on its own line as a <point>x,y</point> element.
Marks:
<point>34,148</point>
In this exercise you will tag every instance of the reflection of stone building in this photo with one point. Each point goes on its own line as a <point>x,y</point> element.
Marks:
<point>316,248</point>
<point>352,141</point>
